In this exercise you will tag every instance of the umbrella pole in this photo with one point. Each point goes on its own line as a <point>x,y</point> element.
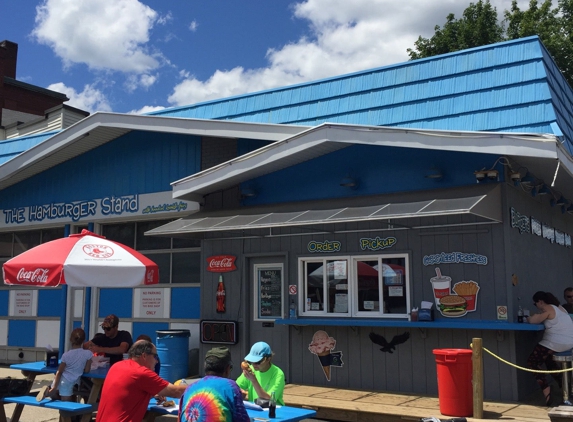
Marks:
<point>64,299</point>
<point>87,311</point>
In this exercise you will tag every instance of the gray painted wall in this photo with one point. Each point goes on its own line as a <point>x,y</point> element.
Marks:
<point>412,367</point>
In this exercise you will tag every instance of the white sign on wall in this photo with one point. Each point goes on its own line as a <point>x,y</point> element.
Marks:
<point>23,303</point>
<point>96,209</point>
<point>151,303</point>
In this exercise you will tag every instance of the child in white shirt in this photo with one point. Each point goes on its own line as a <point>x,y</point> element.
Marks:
<point>73,364</point>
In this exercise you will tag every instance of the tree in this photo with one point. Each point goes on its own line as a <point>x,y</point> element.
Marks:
<point>553,26</point>
<point>479,26</point>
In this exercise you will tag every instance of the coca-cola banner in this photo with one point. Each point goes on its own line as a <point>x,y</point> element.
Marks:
<point>221,263</point>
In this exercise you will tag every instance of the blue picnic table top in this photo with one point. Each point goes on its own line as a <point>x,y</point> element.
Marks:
<point>284,413</point>
<point>41,368</point>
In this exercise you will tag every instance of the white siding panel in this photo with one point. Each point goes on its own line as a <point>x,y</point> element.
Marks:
<point>48,333</point>
<point>3,332</point>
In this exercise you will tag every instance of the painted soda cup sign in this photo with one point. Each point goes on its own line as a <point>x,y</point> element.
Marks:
<point>221,263</point>
<point>441,284</point>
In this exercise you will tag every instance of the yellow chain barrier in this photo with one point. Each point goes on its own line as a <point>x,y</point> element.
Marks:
<point>556,371</point>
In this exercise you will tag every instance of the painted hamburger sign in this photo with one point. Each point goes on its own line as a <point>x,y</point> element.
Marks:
<point>454,300</point>
<point>453,306</point>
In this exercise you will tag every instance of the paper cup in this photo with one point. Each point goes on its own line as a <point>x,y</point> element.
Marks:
<point>441,286</point>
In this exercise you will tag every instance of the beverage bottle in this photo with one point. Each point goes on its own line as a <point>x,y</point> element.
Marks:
<point>273,406</point>
<point>292,314</point>
<point>520,315</point>
<point>221,296</point>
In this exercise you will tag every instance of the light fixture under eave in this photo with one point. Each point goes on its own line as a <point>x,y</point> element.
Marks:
<point>349,182</point>
<point>248,193</point>
<point>559,201</point>
<point>480,175</point>
<point>541,189</point>
<point>435,174</point>
<point>493,175</point>
<point>527,180</point>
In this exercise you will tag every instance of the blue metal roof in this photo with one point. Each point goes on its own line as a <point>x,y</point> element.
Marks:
<point>509,86</point>
<point>12,147</point>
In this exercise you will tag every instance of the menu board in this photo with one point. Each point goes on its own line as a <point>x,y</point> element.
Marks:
<point>270,289</point>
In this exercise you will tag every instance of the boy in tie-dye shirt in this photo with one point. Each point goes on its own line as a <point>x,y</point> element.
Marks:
<point>214,398</point>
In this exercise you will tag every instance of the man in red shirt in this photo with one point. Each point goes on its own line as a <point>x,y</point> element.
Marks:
<point>131,383</point>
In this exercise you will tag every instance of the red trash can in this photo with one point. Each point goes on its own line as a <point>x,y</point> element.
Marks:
<point>455,392</point>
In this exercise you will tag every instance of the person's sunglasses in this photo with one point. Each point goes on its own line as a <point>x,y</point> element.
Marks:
<point>256,363</point>
<point>155,355</point>
<point>107,328</point>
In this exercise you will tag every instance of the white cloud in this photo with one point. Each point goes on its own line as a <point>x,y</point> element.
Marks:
<point>147,80</point>
<point>103,34</point>
<point>193,26</point>
<point>144,81</point>
<point>163,20</point>
<point>345,36</point>
<point>90,99</point>
<point>146,109</point>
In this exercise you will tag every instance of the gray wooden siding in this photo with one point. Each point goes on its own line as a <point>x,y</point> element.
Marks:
<point>539,265</point>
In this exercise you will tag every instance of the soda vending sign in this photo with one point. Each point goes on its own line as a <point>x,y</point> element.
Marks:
<point>221,263</point>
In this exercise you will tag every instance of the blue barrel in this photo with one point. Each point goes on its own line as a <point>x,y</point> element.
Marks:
<point>173,350</point>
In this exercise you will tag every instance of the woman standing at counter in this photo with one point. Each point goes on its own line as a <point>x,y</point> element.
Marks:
<point>266,377</point>
<point>558,337</point>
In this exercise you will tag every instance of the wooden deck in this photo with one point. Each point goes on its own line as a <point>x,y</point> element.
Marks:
<point>365,406</point>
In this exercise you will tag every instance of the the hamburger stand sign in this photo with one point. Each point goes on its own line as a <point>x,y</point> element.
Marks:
<point>455,300</point>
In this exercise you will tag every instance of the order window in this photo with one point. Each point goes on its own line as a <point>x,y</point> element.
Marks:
<point>368,286</point>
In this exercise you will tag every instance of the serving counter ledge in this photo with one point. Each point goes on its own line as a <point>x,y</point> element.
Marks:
<point>441,323</point>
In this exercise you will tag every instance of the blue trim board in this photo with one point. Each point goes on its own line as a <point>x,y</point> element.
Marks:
<point>149,328</point>
<point>22,333</point>
<point>4,299</point>
<point>441,323</point>
<point>186,302</point>
<point>49,302</point>
<point>115,301</point>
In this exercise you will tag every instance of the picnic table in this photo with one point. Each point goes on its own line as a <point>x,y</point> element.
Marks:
<point>33,369</point>
<point>284,413</point>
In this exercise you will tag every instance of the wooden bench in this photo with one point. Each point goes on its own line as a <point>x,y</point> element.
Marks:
<point>370,406</point>
<point>67,408</point>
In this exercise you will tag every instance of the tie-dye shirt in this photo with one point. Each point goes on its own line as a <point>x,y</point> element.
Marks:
<point>213,399</point>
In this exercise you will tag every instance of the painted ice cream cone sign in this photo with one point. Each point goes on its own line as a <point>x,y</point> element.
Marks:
<point>322,346</point>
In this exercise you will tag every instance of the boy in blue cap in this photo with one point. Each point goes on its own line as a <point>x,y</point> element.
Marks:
<point>262,377</point>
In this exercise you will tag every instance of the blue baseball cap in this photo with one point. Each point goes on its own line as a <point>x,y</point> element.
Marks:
<point>259,351</point>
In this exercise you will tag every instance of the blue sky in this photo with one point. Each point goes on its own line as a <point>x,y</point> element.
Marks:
<point>133,56</point>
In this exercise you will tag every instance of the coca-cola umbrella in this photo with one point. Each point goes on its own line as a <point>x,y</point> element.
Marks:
<point>81,260</point>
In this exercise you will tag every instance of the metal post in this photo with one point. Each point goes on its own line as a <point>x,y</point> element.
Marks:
<point>477,377</point>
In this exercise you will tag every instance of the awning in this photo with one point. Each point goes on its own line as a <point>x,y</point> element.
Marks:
<point>486,206</point>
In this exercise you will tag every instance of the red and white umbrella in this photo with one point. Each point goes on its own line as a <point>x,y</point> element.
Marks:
<point>81,260</point>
